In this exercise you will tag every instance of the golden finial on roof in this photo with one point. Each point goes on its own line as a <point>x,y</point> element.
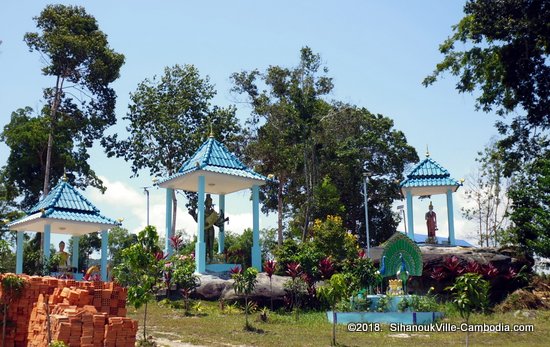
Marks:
<point>65,179</point>
<point>427,152</point>
<point>211,131</point>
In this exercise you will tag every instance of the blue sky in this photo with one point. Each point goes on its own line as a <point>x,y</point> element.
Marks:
<point>378,53</point>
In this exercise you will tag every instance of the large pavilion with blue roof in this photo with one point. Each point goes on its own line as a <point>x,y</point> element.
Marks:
<point>63,211</point>
<point>213,169</point>
<point>429,178</point>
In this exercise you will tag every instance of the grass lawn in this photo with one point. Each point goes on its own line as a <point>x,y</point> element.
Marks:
<point>208,326</point>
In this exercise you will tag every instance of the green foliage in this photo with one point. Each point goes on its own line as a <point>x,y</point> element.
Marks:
<point>334,291</point>
<point>183,275</point>
<point>58,344</point>
<point>318,151</point>
<point>244,284</point>
<point>239,246</point>
<point>501,49</point>
<point>7,257</point>
<point>119,239</point>
<point>303,253</point>
<point>362,274</point>
<point>87,244</point>
<point>530,214</point>
<point>383,304</point>
<point>141,270</point>
<point>78,55</point>
<point>469,293</point>
<point>418,303</point>
<point>331,239</point>
<point>27,137</point>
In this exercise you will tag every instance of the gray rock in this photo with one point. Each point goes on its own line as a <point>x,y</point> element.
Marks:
<point>214,288</point>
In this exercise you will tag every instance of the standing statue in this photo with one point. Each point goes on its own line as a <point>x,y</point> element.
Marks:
<point>211,219</point>
<point>431,223</point>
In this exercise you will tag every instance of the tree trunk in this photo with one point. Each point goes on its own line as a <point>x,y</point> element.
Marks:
<point>246,311</point>
<point>334,326</point>
<point>145,323</point>
<point>280,213</point>
<point>53,118</point>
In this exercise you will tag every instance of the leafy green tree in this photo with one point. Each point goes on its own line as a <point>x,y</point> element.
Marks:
<point>469,293</point>
<point>319,151</point>
<point>531,207</point>
<point>169,118</point>
<point>332,293</point>
<point>141,270</point>
<point>354,142</point>
<point>119,239</point>
<point>283,120</point>
<point>244,283</point>
<point>501,49</point>
<point>183,275</point>
<point>7,257</point>
<point>27,137</point>
<point>78,56</point>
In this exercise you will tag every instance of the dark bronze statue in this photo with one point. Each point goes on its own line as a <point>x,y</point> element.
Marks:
<point>211,219</point>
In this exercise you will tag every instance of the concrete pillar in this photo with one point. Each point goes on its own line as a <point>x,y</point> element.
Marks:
<point>450,217</point>
<point>74,255</point>
<point>104,255</point>
<point>256,250</point>
<point>410,219</point>
<point>221,232</point>
<point>19,253</point>
<point>200,247</point>
<point>47,235</point>
<point>168,222</point>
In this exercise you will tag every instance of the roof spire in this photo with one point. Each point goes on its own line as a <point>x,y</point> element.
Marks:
<point>65,179</point>
<point>211,131</point>
<point>427,152</point>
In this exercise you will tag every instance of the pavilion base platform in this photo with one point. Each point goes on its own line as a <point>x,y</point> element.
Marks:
<point>212,269</point>
<point>385,317</point>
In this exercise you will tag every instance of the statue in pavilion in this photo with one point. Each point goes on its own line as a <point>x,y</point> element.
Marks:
<point>431,224</point>
<point>211,219</point>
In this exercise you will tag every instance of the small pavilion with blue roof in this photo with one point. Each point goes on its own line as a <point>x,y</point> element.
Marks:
<point>63,211</point>
<point>429,178</point>
<point>213,169</point>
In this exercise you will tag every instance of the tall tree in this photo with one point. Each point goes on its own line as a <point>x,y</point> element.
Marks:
<point>78,56</point>
<point>501,48</point>
<point>169,117</point>
<point>354,142</point>
<point>531,207</point>
<point>283,120</point>
<point>486,191</point>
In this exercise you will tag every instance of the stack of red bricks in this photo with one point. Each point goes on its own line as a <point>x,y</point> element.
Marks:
<point>86,314</point>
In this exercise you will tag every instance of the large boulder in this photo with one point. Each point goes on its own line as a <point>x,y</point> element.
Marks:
<point>214,288</point>
<point>435,257</point>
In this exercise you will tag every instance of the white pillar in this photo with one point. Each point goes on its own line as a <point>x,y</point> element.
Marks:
<point>104,250</point>
<point>19,253</point>
<point>74,256</point>
<point>256,250</point>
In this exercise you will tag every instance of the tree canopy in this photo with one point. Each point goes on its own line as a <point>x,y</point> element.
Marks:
<point>501,49</point>
<point>169,118</point>
<point>318,151</point>
<point>78,55</point>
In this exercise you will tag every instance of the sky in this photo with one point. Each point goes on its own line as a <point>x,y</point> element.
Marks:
<point>378,53</point>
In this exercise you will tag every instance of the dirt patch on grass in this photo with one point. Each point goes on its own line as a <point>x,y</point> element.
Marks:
<point>522,299</point>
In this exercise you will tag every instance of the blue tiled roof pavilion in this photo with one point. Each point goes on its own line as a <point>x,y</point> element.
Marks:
<point>429,178</point>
